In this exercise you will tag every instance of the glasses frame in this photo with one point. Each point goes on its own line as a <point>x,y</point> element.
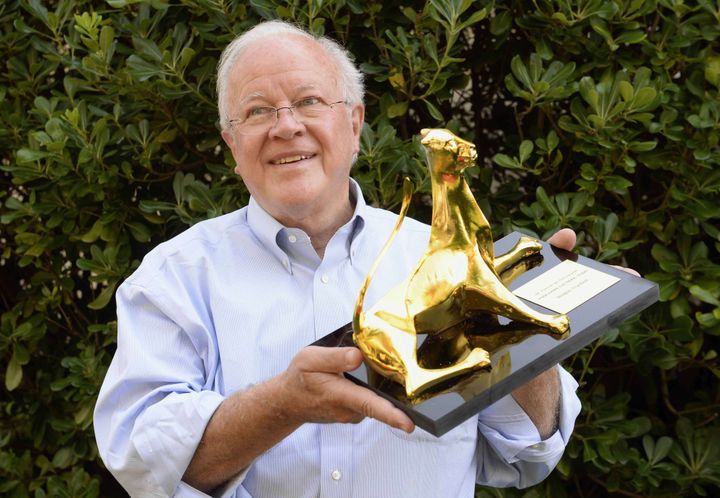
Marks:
<point>237,122</point>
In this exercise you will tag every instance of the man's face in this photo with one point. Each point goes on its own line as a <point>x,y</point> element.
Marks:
<point>295,171</point>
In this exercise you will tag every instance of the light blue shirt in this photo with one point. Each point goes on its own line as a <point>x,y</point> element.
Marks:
<point>226,305</point>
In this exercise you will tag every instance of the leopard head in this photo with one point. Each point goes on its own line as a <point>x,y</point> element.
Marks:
<point>447,153</point>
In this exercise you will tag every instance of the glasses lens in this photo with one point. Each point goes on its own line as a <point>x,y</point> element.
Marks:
<point>310,108</point>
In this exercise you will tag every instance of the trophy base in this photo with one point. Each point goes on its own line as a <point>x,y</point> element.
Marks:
<point>523,356</point>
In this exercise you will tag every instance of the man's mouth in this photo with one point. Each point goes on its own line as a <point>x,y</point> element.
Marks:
<point>291,159</point>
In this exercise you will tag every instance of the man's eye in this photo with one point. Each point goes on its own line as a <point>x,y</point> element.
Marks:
<point>307,102</point>
<point>258,112</point>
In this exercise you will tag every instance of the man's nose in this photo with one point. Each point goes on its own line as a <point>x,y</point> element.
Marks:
<point>286,124</point>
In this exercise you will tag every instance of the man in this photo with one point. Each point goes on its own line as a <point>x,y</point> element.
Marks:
<point>213,390</point>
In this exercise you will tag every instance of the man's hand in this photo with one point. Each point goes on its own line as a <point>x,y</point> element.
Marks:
<point>315,390</point>
<point>312,389</point>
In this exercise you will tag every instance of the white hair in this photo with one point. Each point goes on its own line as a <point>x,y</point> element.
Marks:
<point>351,79</point>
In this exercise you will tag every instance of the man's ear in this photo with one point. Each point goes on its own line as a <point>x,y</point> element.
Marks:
<point>229,139</point>
<point>358,118</point>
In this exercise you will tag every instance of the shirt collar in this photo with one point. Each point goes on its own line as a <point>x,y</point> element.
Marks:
<point>357,221</point>
<point>272,234</point>
<point>266,228</point>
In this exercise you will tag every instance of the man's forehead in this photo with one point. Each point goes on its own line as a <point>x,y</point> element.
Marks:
<point>287,66</point>
<point>287,49</point>
<point>297,91</point>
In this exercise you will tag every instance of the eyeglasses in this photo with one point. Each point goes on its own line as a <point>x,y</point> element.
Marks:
<point>259,119</point>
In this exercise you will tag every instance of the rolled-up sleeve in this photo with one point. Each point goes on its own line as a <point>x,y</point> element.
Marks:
<point>511,451</point>
<point>157,397</point>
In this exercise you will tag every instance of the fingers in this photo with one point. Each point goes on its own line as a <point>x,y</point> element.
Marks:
<point>368,404</point>
<point>328,360</point>
<point>564,239</point>
<point>322,394</point>
<point>627,270</point>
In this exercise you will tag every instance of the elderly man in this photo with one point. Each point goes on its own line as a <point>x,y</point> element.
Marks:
<point>213,390</point>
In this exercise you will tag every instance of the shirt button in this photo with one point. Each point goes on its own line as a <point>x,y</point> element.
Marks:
<point>292,238</point>
<point>324,279</point>
<point>336,475</point>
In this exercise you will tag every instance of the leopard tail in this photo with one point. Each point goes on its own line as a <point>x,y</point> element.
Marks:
<point>407,195</point>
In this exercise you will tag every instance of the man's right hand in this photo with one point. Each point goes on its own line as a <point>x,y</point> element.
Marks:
<point>312,389</point>
<point>315,390</point>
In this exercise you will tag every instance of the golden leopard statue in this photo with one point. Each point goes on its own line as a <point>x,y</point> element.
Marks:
<point>457,278</point>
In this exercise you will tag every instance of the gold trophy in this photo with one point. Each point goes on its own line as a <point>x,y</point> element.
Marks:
<point>457,283</point>
<point>452,339</point>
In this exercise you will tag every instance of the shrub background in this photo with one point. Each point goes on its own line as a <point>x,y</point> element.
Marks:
<point>599,115</point>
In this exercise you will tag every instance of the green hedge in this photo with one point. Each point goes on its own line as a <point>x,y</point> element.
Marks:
<point>599,115</point>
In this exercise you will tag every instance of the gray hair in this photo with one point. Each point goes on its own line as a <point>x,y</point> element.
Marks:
<point>351,79</point>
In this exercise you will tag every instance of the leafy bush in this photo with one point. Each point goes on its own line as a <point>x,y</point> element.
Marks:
<point>599,115</point>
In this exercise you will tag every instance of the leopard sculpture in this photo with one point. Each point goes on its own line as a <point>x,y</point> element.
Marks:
<point>457,277</point>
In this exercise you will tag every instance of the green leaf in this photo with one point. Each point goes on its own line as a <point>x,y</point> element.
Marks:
<point>139,231</point>
<point>588,91</point>
<point>552,140</point>
<point>631,37</point>
<point>21,353</point>
<point>94,233</point>
<point>712,70</point>
<point>626,90</point>
<point>141,69</point>
<point>662,449</point>
<point>617,184</point>
<point>13,374</point>
<point>644,97</point>
<point>520,71</point>
<point>501,23</point>
<point>663,255</point>
<point>103,298</point>
<point>506,161</point>
<point>107,36</point>
<point>704,295</point>
<point>545,201</point>
<point>526,148</point>
<point>609,337</point>
<point>642,146</point>
<point>62,458</point>
<point>611,223</point>
<point>25,156</point>
<point>475,17</point>
<point>434,111</point>
<point>398,109</point>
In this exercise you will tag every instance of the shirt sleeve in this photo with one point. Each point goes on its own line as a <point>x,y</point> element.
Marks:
<point>157,396</point>
<point>510,449</point>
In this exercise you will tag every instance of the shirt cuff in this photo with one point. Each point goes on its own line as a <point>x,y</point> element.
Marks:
<point>227,490</point>
<point>513,435</point>
<point>168,433</point>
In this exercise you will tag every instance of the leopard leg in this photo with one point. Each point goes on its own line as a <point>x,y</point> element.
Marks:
<point>392,353</point>
<point>525,247</point>
<point>494,297</point>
